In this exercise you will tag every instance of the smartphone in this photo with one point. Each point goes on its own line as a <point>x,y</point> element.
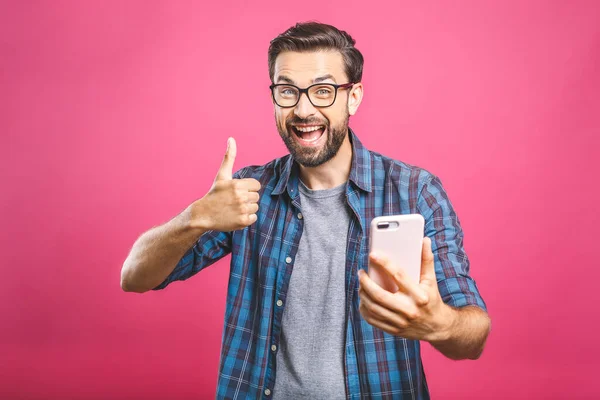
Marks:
<point>400,239</point>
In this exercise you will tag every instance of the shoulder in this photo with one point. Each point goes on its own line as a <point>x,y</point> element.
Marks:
<point>387,170</point>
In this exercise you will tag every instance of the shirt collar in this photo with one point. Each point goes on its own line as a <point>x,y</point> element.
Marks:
<point>360,169</point>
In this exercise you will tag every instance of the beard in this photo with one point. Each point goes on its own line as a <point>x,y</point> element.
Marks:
<point>309,156</point>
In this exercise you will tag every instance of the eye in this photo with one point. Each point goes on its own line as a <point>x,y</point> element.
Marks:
<point>322,92</point>
<point>287,91</point>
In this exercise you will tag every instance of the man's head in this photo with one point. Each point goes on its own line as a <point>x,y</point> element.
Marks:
<point>304,55</point>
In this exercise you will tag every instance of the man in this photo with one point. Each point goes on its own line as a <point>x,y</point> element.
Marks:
<point>325,331</point>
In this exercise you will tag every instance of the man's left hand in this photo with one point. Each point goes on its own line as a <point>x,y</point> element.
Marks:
<point>415,311</point>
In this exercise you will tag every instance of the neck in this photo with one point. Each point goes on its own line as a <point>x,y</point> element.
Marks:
<point>331,173</point>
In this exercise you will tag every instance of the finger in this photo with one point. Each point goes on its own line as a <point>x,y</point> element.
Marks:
<point>252,219</point>
<point>250,184</point>
<point>375,292</point>
<point>385,327</point>
<point>398,302</point>
<point>253,197</point>
<point>427,263</point>
<point>252,208</point>
<point>380,312</point>
<point>377,323</point>
<point>226,170</point>
<point>404,282</point>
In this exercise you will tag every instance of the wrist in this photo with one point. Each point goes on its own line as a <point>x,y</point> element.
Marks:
<point>195,218</point>
<point>445,325</point>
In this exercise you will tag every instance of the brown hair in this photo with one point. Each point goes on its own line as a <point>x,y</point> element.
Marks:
<point>315,36</point>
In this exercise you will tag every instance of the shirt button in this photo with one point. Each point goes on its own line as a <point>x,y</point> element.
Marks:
<point>279,303</point>
<point>273,347</point>
<point>299,215</point>
<point>288,260</point>
<point>267,392</point>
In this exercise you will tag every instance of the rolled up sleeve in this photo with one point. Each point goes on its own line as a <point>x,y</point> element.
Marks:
<point>210,247</point>
<point>442,226</point>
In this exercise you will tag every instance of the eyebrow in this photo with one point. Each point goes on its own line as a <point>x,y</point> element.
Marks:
<point>316,80</point>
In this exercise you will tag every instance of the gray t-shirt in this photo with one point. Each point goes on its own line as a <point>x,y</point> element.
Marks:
<point>310,358</point>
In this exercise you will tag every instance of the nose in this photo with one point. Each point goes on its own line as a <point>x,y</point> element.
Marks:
<point>304,108</point>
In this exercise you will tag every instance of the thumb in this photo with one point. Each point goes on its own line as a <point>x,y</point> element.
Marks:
<point>427,263</point>
<point>226,169</point>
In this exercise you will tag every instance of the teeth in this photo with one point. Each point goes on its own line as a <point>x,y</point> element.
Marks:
<point>311,140</point>
<point>308,129</point>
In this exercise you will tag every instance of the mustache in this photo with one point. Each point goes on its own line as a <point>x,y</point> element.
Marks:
<point>308,121</point>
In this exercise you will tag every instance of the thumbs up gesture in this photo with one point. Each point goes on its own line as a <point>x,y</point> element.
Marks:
<point>230,204</point>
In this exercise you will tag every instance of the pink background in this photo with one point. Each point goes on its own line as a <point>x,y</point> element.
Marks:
<point>114,117</point>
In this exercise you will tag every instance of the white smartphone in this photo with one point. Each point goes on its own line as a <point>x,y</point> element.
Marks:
<point>400,239</point>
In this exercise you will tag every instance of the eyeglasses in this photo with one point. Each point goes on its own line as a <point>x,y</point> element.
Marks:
<point>319,94</point>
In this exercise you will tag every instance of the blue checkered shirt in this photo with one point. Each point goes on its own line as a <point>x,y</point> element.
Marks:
<point>377,365</point>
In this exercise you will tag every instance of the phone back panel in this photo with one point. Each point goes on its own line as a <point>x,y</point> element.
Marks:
<point>401,242</point>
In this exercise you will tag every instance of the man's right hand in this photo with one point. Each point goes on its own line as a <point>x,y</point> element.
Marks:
<point>230,204</point>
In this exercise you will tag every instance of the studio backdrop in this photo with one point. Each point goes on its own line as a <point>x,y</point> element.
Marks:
<point>114,117</point>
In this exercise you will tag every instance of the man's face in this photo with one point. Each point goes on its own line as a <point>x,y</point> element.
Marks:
<point>296,125</point>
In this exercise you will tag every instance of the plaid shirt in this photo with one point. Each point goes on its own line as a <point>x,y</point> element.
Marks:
<point>377,364</point>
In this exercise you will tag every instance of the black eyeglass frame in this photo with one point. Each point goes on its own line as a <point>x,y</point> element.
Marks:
<point>305,91</point>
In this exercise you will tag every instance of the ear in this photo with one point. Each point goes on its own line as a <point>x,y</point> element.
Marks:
<point>355,97</point>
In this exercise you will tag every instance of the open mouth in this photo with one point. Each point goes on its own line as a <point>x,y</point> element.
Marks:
<point>309,134</point>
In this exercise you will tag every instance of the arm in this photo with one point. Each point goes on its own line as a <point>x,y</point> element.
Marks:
<point>156,253</point>
<point>165,253</point>
<point>418,312</point>
<point>465,336</point>
<point>445,308</point>
<point>466,319</point>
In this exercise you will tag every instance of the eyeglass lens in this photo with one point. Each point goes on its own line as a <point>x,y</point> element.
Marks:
<point>320,95</point>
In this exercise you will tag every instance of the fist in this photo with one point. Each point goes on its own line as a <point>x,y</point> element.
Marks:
<point>230,204</point>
